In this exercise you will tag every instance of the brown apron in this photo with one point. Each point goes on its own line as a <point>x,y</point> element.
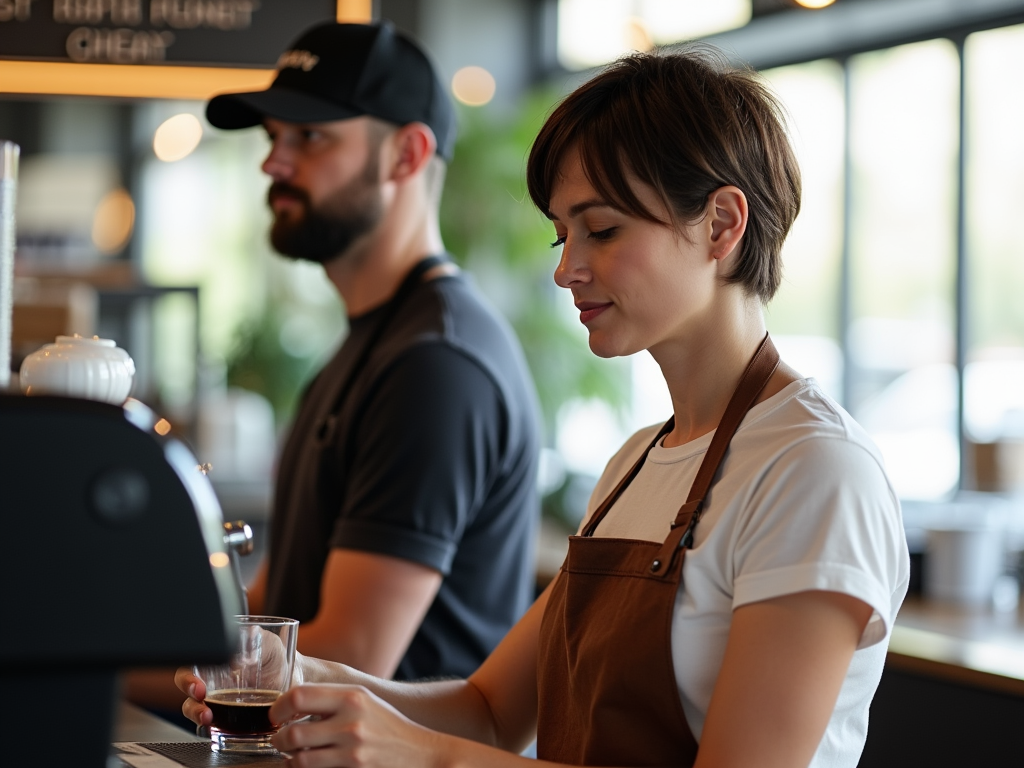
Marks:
<point>607,692</point>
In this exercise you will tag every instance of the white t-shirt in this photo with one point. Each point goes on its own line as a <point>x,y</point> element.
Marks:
<point>801,503</point>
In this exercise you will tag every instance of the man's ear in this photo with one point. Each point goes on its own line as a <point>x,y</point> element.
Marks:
<point>727,219</point>
<point>412,146</point>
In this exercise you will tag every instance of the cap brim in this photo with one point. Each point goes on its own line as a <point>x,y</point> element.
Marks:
<point>244,110</point>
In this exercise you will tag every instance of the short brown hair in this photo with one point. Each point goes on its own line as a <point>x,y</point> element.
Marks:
<point>686,123</point>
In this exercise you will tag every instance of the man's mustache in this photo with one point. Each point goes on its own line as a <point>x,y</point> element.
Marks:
<point>283,189</point>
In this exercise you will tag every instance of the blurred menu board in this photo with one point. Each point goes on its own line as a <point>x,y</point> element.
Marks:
<point>235,33</point>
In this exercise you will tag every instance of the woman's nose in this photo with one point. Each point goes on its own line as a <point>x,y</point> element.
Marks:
<point>569,271</point>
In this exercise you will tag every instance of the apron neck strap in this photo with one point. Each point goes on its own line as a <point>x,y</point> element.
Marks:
<point>759,370</point>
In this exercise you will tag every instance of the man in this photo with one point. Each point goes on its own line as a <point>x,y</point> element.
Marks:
<point>405,507</point>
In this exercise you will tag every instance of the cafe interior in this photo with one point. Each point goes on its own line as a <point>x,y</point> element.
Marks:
<point>133,219</point>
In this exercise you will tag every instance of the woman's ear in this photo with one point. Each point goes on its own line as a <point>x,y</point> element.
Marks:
<point>412,147</point>
<point>727,217</point>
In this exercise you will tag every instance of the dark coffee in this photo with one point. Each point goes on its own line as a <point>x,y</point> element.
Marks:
<point>242,712</point>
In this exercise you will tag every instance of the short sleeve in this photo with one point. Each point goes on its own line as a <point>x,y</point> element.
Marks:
<point>824,517</point>
<point>426,446</point>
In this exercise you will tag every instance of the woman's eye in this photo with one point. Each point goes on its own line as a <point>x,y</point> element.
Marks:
<point>604,234</point>
<point>558,242</point>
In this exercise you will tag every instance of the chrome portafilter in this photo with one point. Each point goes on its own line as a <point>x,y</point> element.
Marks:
<point>238,542</point>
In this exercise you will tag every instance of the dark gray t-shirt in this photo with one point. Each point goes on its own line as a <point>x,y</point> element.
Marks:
<point>434,461</point>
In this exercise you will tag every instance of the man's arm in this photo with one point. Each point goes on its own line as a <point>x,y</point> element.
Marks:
<point>370,607</point>
<point>423,454</point>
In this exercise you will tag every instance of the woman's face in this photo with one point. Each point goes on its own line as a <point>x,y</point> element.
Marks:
<point>638,284</point>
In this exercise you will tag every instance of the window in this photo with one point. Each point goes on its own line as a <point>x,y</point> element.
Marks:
<point>994,373</point>
<point>594,32</point>
<point>803,318</point>
<point>902,232</point>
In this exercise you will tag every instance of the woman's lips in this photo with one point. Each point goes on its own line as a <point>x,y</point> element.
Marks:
<point>590,309</point>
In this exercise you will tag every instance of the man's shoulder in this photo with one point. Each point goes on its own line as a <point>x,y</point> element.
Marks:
<point>456,308</point>
<point>452,312</point>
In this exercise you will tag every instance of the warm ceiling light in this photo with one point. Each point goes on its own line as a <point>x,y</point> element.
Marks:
<point>113,222</point>
<point>815,4</point>
<point>473,86</point>
<point>148,81</point>
<point>355,11</point>
<point>177,137</point>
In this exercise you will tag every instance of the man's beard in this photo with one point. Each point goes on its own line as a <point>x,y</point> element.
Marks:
<point>323,233</point>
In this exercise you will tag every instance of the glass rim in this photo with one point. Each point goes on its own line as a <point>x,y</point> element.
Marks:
<point>274,621</point>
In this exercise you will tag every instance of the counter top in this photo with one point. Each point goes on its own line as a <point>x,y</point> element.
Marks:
<point>135,724</point>
<point>973,646</point>
<point>143,740</point>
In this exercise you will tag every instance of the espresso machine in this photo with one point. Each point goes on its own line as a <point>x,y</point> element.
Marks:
<point>115,556</point>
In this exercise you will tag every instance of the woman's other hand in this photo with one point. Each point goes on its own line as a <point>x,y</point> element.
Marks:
<point>351,727</point>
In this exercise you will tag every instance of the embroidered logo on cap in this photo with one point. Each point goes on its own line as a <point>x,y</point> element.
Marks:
<point>303,60</point>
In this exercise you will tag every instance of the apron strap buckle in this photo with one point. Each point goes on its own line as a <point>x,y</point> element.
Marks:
<point>688,514</point>
<point>678,538</point>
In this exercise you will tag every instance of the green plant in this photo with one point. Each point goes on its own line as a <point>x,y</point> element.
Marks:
<point>259,362</point>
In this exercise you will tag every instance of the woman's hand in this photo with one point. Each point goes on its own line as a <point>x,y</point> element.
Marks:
<point>355,728</point>
<point>193,708</point>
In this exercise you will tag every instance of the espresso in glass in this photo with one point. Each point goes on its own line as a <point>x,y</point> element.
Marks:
<point>242,711</point>
<point>241,692</point>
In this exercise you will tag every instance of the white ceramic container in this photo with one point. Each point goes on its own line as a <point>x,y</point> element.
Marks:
<point>963,566</point>
<point>96,369</point>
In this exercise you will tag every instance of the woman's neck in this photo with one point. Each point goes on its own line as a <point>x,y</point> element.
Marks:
<point>703,367</point>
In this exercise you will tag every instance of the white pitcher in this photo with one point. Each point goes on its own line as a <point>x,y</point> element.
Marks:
<point>96,369</point>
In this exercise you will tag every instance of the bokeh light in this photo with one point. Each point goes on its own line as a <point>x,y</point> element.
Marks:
<point>177,137</point>
<point>473,86</point>
<point>113,222</point>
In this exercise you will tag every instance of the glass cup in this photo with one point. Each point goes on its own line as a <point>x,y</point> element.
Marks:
<point>241,692</point>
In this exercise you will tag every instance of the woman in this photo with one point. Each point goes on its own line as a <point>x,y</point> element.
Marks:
<point>740,567</point>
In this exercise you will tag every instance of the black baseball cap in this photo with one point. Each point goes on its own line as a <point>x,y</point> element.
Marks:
<point>337,71</point>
